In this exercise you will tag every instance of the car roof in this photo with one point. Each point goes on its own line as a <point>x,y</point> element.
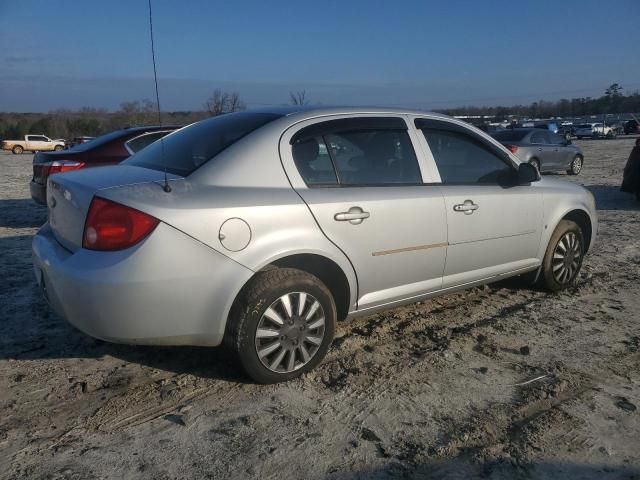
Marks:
<point>311,111</point>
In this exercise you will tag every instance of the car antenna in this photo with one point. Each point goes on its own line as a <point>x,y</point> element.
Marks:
<point>166,187</point>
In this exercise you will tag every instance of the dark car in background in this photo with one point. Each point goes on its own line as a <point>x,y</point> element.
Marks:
<point>77,141</point>
<point>631,127</point>
<point>543,149</point>
<point>108,149</point>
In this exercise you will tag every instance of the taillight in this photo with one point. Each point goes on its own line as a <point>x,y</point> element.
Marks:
<point>60,166</point>
<point>112,226</point>
<point>512,148</point>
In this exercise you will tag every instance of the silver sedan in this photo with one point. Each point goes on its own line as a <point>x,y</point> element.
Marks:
<point>543,149</point>
<point>261,229</point>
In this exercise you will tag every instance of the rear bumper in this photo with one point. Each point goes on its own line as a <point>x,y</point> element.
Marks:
<point>168,290</point>
<point>38,192</point>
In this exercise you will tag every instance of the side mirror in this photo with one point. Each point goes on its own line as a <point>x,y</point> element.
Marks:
<point>527,173</point>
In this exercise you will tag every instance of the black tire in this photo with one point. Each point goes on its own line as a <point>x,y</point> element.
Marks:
<point>17,150</point>
<point>576,165</point>
<point>535,162</point>
<point>549,276</point>
<point>263,293</point>
<point>58,148</point>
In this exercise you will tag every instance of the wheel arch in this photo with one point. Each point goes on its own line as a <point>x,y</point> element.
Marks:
<point>329,273</point>
<point>583,220</point>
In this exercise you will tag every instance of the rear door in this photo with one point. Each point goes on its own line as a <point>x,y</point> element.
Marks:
<point>363,183</point>
<point>494,226</point>
<point>543,150</point>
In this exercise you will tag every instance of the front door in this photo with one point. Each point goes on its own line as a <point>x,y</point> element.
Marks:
<point>363,185</point>
<point>494,226</point>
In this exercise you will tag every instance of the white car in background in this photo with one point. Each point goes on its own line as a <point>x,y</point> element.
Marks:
<point>595,130</point>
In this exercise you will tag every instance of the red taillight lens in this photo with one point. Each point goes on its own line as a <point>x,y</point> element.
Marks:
<point>512,148</point>
<point>59,166</point>
<point>112,226</point>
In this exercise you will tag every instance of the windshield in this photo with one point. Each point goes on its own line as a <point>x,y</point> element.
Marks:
<point>183,151</point>
<point>510,135</point>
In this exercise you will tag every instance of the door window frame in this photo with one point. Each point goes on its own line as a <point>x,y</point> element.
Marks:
<point>423,122</point>
<point>360,121</point>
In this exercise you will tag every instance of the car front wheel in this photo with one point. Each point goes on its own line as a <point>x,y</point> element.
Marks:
<point>17,150</point>
<point>283,325</point>
<point>535,162</point>
<point>576,165</point>
<point>563,257</point>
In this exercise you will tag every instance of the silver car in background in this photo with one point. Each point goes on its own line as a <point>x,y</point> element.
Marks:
<point>543,149</point>
<point>260,230</point>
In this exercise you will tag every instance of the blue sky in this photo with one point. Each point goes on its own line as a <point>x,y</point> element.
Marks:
<point>427,54</point>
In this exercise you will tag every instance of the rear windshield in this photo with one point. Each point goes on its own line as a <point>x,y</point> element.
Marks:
<point>509,135</point>
<point>183,151</point>
<point>101,140</point>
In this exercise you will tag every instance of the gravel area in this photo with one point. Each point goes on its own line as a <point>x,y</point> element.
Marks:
<point>498,382</point>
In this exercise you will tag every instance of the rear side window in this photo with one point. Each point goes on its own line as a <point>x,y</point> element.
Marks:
<point>364,155</point>
<point>138,143</point>
<point>510,135</point>
<point>462,159</point>
<point>184,151</point>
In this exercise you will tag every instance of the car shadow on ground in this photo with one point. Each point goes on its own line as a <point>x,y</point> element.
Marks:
<point>609,197</point>
<point>21,213</point>
<point>38,333</point>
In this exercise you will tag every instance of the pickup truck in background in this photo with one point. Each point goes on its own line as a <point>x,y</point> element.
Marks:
<point>33,143</point>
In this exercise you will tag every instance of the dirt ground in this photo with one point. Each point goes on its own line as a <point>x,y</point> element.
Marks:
<point>431,390</point>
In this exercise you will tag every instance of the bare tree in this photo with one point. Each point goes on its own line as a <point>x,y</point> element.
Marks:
<point>299,97</point>
<point>223,102</point>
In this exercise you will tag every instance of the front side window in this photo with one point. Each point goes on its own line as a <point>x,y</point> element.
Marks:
<point>357,158</point>
<point>462,159</point>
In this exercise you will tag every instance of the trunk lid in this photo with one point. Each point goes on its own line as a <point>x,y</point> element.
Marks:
<point>69,196</point>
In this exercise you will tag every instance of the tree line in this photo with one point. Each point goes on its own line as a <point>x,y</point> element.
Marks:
<point>89,121</point>
<point>613,101</point>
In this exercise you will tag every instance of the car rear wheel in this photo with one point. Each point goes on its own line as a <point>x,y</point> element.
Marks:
<point>17,150</point>
<point>563,258</point>
<point>535,162</point>
<point>576,165</point>
<point>283,325</point>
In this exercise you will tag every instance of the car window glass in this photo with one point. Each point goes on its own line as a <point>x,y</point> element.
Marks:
<point>197,144</point>
<point>367,157</point>
<point>538,137</point>
<point>461,158</point>
<point>138,143</point>
<point>374,157</point>
<point>313,161</point>
<point>556,139</point>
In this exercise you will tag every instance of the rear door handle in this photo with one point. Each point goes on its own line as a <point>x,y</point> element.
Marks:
<point>355,216</point>
<point>468,207</point>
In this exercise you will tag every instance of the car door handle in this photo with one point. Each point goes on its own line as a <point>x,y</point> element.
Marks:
<point>355,216</point>
<point>468,207</point>
<point>539,149</point>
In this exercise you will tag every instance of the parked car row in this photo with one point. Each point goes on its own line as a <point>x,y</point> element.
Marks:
<point>260,230</point>
<point>108,149</point>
